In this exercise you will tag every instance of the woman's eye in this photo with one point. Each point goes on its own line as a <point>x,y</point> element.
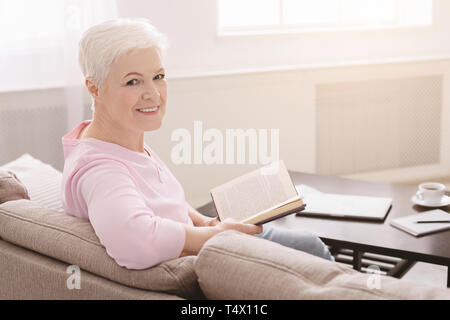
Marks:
<point>160,76</point>
<point>132,82</point>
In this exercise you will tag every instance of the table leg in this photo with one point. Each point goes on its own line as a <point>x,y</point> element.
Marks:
<point>401,268</point>
<point>357,256</point>
<point>448,276</point>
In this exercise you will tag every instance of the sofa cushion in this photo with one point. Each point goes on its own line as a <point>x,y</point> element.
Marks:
<point>233,265</point>
<point>73,240</point>
<point>43,182</point>
<point>11,188</point>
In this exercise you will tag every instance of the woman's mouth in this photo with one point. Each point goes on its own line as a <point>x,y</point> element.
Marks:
<point>148,111</point>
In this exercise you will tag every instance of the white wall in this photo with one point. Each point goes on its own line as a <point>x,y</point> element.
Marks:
<point>196,49</point>
<point>285,100</point>
<point>216,79</point>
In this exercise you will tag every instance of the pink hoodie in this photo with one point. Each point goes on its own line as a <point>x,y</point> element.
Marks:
<point>134,203</point>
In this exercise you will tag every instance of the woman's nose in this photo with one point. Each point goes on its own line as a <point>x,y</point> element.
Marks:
<point>151,92</point>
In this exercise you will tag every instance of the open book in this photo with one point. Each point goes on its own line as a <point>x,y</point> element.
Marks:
<point>258,197</point>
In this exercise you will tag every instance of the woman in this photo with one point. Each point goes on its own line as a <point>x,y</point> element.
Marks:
<point>111,177</point>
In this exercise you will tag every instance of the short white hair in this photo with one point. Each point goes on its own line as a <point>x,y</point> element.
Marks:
<point>102,44</point>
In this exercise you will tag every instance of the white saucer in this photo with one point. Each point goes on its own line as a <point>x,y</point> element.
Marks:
<point>445,201</point>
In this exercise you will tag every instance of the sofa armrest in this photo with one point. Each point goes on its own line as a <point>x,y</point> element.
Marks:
<point>73,241</point>
<point>232,265</point>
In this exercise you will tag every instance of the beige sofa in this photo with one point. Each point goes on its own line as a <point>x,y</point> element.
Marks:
<point>46,254</point>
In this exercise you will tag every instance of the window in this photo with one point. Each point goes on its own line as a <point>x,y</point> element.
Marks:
<point>28,26</point>
<point>30,23</point>
<point>38,40</point>
<point>266,16</point>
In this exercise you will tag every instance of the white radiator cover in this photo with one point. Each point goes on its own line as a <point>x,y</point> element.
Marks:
<point>375,125</point>
<point>36,131</point>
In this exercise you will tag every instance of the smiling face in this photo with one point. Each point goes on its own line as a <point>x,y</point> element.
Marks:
<point>133,95</point>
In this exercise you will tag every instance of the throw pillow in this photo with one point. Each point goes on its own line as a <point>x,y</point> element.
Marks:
<point>11,188</point>
<point>42,181</point>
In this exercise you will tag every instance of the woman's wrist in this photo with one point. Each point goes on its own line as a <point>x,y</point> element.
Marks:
<point>210,221</point>
<point>195,238</point>
<point>198,219</point>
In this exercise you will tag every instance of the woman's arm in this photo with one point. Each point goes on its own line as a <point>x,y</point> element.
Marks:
<point>199,219</point>
<point>195,237</point>
<point>133,235</point>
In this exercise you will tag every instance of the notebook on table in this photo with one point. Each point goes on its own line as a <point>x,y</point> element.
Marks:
<point>411,225</point>
<point>343,206</point>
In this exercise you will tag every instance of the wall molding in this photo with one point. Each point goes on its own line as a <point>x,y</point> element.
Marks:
<point>304,67</point>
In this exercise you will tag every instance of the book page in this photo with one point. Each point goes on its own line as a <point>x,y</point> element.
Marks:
<point>254,192</point>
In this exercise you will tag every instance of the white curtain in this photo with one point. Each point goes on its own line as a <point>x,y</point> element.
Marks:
<point>42,93</point>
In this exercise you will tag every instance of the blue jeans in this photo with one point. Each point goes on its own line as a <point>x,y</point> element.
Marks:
<point>296,239</point>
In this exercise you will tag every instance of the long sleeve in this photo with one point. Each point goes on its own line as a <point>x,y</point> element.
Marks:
<point>133,235</point>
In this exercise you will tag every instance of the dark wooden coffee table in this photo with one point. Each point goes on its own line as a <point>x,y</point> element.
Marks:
<point>368,237</point>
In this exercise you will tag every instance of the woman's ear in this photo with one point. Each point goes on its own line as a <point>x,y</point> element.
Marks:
<point>92,88</point>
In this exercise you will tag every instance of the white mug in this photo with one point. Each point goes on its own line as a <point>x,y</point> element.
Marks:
<point>431,192</point>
